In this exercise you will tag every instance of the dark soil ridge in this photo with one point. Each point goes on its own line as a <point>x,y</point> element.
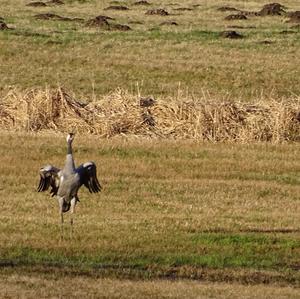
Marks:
<point>142,2</point>
<point>271,9</point>
<point>138,272</point>
<point>157,11</point>
<point>3,25</point>
<point>55,2</point>
<point>36,4</point>
<point>236,17</point>
<point>102,22</point>
<point>55,17</point>
<point>116,7</point>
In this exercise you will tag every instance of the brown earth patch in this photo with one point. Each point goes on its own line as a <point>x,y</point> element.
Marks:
<point>99,21</point>
<point>55,2</point>
<point>249,13</point>
<point>266,42</point>
<point>157,11</point>
<point>54,17</point>
<point>293,14</point>
<point>227,8</point>
<point>3,25</point>
<point>36,4</point>
<point>240,27</point>
<point>272,9</point>
<point>102,22</point>
<point>183,9</point>
<point>119,27</point>
<point>168,23</point>
<point>136,22</point>
<point>236,17</point>
<point>231,34</point>
<point>294,19</point>
<point>116,7</point>
<point>143,2</point>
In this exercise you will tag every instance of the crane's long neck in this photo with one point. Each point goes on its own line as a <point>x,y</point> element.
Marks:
<point>70,165</point>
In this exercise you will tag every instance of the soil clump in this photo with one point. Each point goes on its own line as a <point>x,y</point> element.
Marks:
<point>272,9</point>
<point>236,17</point>
<point>36,4</point>
<point>55,2</point>
<point>157,11</point>
<point>183,9</point>
<point>142,2</point>
<point>3,25</point>
<point>102,22</point>
<point>168,23</point>
<point>54,17</point>
<point>227,8</point>
<point>294,17</point>
<point>116,7</point>
<point>231,34</point>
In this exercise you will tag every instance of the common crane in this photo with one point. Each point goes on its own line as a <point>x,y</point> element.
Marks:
<point>66,182</point>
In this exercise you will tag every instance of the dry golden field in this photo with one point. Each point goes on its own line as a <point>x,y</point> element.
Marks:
<point>196,140</point>
<point>152,59</point>
<point>168,210</point>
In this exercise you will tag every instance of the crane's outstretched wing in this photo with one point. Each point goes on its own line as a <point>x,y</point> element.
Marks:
<point>88,176</point>
<point>49,176</point>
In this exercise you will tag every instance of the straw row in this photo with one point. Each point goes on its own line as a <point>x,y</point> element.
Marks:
<point>127,114</point>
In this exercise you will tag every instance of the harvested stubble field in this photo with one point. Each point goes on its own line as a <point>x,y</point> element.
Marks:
<point>172,210</point>
<point>155,55</point>
<point>196,138</point>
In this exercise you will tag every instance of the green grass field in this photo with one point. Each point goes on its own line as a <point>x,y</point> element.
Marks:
<point>151,58</point>
<point>174,210</point>
<point>176,218</point>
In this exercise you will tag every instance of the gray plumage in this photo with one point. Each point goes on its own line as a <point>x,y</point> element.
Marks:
<point>66,182</point>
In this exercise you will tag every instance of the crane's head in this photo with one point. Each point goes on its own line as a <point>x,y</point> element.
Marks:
<point>70,137</point>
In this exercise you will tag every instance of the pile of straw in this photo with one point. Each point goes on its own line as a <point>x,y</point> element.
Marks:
<point>123,113</point>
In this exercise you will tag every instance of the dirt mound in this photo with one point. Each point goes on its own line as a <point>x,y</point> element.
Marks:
<point>55,2</point>
<point>136,22</point>
<point>236,17</point>
<point>52,16</point>
<point>272,9</point>
<point>293,14</point>
<point>119,27</point>
<point>183,9</point>
<point>142,2</point>
<point>102,22</point>
<point>3,25</point>
<point>157,11</point>
<point>36,4</point>
<point>168,23</point>
<point>122,113</point>
<point>249,13</point>
<point>227,8</point>
<point>99,21</point>
<point>231,34</point>
<point>240,27</point>
<point>116,7</point>
<point>294,17</point>
<point>266,42</point>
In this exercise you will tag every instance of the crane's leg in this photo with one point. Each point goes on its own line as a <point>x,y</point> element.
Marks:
<point>73,204</point>
<point>61,204</point>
